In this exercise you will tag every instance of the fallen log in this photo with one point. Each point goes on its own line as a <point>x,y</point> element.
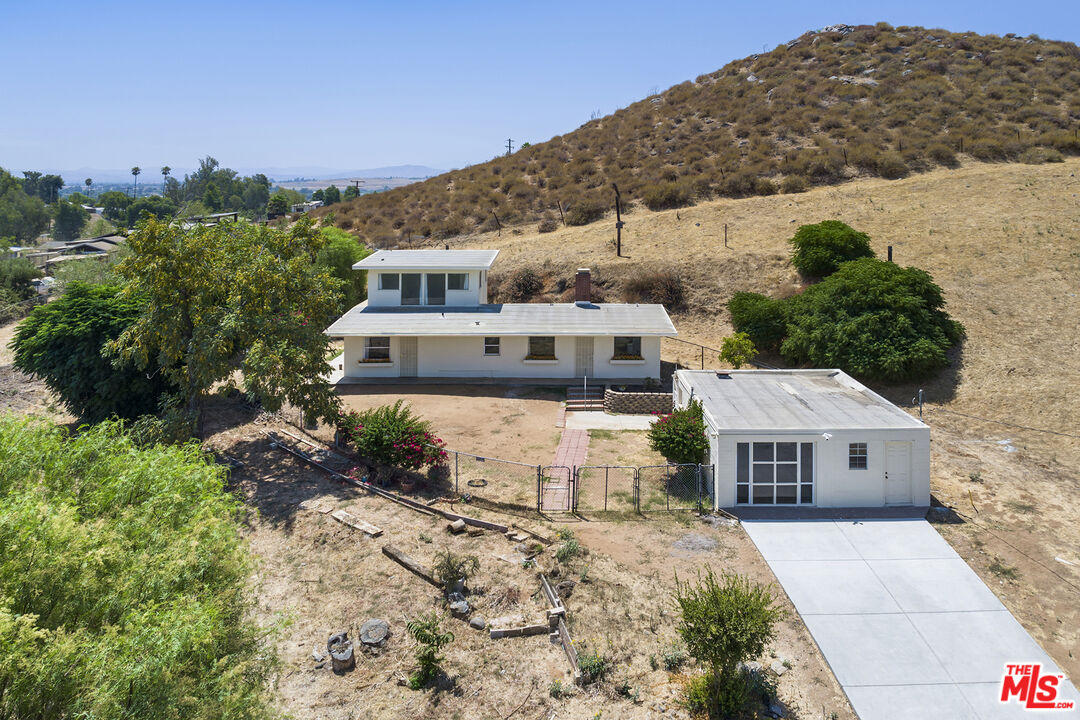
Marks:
<point>352,521</point>
<point>409,564</point>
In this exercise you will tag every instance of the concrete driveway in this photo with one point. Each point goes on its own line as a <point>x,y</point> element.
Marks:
<point>909,630</point>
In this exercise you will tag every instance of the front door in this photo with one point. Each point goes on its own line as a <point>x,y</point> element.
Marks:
<point>897,473</point>
<point>583,357</point>
<point>407,347</point>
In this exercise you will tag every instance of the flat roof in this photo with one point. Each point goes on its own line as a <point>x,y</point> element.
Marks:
<point>505,319</point>
<point>764,400</point>
<point>428,259</point>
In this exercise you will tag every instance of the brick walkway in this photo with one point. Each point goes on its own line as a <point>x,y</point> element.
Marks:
<point>571,452</point>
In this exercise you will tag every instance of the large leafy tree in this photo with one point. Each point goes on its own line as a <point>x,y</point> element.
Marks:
<point>115,204</point>
<point>233,297</point>
<point>22,216</point>
<point>16,276</point>
<point>340,253</point>
<point>156,205</point>
<point>68,220</point>
<point>63,342</point>
<point>122,582</point>
<point>874,319</point>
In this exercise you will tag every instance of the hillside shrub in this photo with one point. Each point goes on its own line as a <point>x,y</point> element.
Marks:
<point>891,166</point>
<point>818,250</point>
<point>943,155</point>
<point>1040,155</point>
<point>680,435</point>
<point>547,224</point>
<point>793,184</point>
<point>725,621</point>
<point>63,343</point>
<point>523,285</point>
<point>737,350</point>
<point>584,211</point>
<point>873,319</point>
<point>667,195</point>
<point>663,287</point>
<point>765,186</point>
<point>391,435</point>
<point>123,581</point>
<point>760,317</point>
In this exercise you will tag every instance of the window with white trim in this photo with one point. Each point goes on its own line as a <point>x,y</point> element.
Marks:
<point>457,281</point>
<point>377,349</point>
<point>389,281</point>
<point>856,456</point>
<point>774,473</point>
<point>627,348</point>
<point>491,346</point>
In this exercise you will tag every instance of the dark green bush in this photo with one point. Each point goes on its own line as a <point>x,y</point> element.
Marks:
<point>392,436</point>
<point>680,436</point>
<point>873,319</point>
<point>817,250</point>
<point>760,317</point>
<point>584,211</point>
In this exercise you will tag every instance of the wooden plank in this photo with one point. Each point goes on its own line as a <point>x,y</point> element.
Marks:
<point>352,521</point>
<point>568,648</point>
<point>552,597</point>
<point>523,631</point>
<point>409,564</point>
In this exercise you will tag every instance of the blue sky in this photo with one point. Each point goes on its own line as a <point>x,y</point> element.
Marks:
<point>355,84</point>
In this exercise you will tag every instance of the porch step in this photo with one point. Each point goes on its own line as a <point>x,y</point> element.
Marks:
<point>585,404</point>
<point>576,393</point>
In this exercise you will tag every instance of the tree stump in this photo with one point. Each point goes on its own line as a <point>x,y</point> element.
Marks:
<point>341,652</point>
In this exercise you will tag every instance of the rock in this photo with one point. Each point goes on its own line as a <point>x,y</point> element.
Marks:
<point>320,665</point>
<point>778,667</point>
<point>457,527</point>
<point>459,608</point>
<point>317,656</point>
<point>751,78</point>
<point>776,710</point>
<point>374,632</point>
<point>752,667</point>
<point>454,596</point>
<point>475,531</point>
<point>477,623</point>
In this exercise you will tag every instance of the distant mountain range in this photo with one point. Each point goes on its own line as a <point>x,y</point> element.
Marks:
<point>153,174</point>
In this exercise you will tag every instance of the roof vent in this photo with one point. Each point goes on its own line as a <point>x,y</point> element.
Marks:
<point>723,376</point>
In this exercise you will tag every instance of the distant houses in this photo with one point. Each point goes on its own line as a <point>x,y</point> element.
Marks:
<point>53,252</point>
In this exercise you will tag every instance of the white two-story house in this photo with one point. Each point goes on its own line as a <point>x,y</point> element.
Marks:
<point>427,316</point>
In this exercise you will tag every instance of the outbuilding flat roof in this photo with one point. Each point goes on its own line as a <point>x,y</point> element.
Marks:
<point>765,400</point>
<point>428,260</point>
<point>506,319</point>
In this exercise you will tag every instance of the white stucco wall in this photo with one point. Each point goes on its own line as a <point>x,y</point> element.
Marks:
<point>464,357</point>
<point>835,485</point>
<point>474,295</point>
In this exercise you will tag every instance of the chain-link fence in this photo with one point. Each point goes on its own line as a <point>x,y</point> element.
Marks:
<point>605,487</point>
<point>504,482</point>
<point>669,487</point>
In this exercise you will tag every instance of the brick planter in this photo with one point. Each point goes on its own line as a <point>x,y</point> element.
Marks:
<point>637,403</point>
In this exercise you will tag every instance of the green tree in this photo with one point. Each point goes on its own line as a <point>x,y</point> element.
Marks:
<point>78,198</point>
<point>738,350</point>
<point>760,317</point>
<point>818,250</point>
<point>256,196</point>
<point>22,217</point>
<point>340,253</point>
<point>873,319</point>
<point>68,220</point>
<point>725,621</point>
<point>278,204</point>
<point>89,182</point>
<point>332,195</point>
<point>319,194</point>
<point>165,170</point>
<point>135,172</point>
<point>123,581</point>
<point>431,639</point>
<point>212,197</point>
<point>63,342</point>
<point>680,437</point>
<point>115,204</point>
<point>350,193</point>
<point>155,205</point>
<point>233,297</point>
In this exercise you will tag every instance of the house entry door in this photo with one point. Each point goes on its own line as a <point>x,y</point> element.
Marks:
<point>897,473</point>
<point>583,357</point>
<point>408,356</point>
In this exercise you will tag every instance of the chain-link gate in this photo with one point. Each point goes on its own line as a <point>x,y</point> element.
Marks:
<point>556,489</point>
<point>605,487</point>
<point>669,487</point>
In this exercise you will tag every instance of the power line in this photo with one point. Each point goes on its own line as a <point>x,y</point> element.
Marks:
<point>1003,422</point>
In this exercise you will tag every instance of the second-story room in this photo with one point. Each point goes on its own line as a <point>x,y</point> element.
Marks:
<point>451,278</point>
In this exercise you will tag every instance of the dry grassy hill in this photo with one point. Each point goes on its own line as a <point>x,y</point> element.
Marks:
<point>1003,241</point>
<point>831,105</point>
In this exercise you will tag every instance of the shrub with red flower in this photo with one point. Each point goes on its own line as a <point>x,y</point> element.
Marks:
<point>680,437</point>
<point>391,435</point>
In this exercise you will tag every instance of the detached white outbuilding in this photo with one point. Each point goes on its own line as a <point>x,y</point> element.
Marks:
<point>801,438</point>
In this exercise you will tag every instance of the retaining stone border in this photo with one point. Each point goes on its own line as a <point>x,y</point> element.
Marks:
<point>637,403</point>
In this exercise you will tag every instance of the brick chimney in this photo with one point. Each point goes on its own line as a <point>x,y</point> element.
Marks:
<point>583,287</point>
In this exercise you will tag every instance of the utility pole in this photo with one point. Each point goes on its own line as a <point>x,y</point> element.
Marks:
<point>618,222</point>
<point>509,146</point>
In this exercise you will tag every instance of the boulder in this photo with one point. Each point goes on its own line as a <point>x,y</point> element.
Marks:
<point>477,623</point>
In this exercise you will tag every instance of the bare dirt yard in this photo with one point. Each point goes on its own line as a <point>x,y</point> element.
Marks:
<point>317,576</point>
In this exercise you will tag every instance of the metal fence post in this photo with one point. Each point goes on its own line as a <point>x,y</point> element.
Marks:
<point>637,490</point>
<point>457,490</point>
<point>539,488</point>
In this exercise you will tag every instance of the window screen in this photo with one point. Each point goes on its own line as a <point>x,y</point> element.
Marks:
<point>627,347</point>
<point>389,281</point>
<point>377,348</point>
<point>491,346</point>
